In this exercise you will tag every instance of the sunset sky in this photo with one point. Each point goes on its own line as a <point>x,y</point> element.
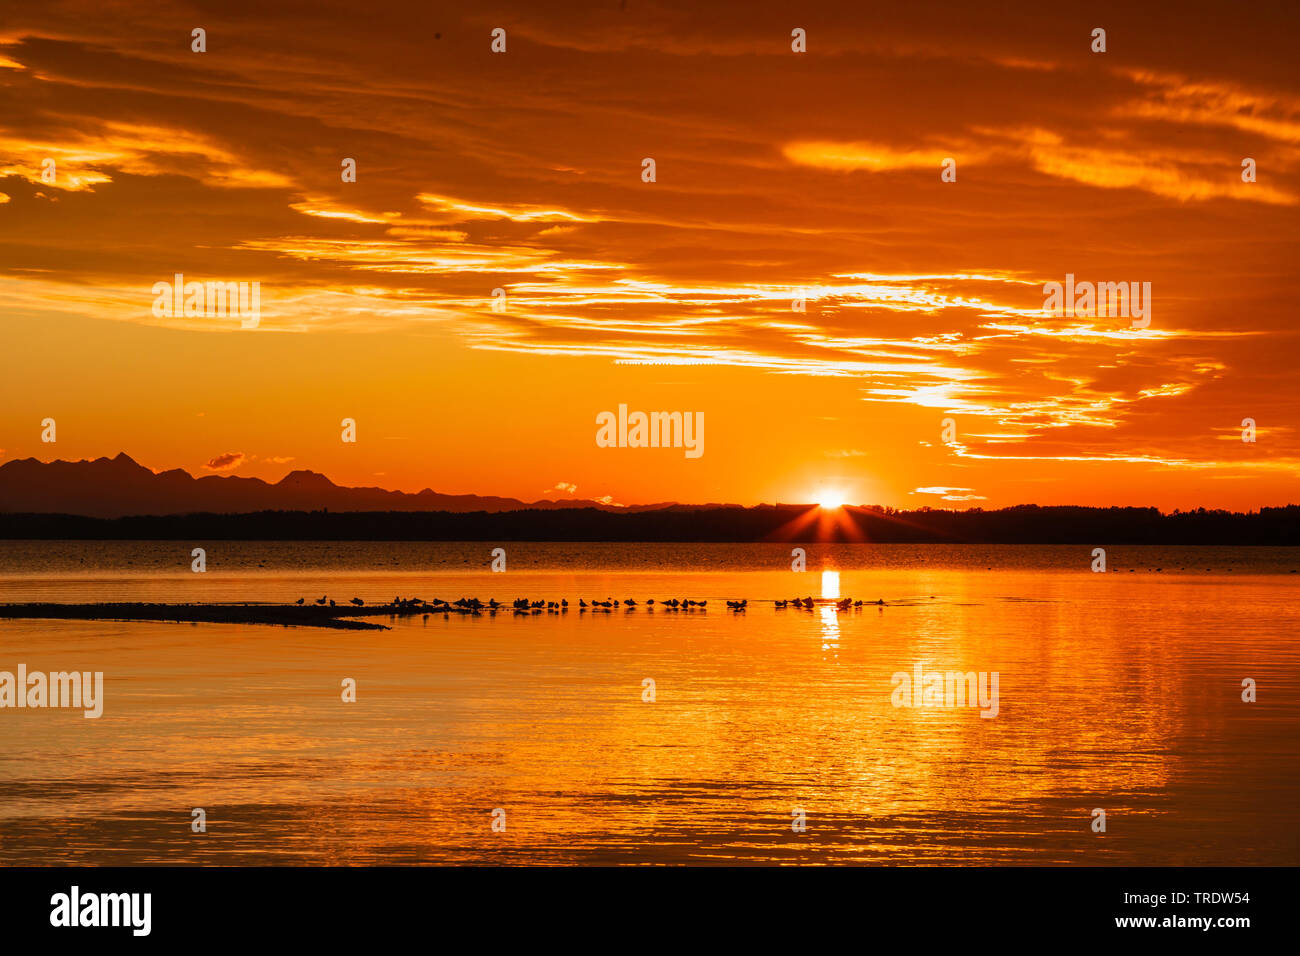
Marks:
<point>778,174</point>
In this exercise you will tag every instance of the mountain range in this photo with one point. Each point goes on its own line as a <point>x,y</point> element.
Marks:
<point>120,486</point>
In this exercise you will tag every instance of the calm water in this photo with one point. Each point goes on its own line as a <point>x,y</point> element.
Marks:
<point>1119,691</point>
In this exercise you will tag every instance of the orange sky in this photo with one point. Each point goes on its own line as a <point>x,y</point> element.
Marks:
<point>776,172</point>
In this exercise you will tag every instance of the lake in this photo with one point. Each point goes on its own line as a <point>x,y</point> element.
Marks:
<point>1119,692</point>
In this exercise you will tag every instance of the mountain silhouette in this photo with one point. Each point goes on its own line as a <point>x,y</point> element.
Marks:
<point>120,486</point>
<point>116,498</point>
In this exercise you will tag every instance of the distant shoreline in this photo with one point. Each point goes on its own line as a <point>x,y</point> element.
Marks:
<point>309,615</point>
<point>1022,524</point>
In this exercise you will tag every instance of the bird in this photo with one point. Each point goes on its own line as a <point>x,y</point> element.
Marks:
<point>323,600</point>
<point>651,601</point>
<point>299,601</point>
<point>582,603</point>
<point>780,603</point>
<point>630,603</point>
<point>332,604</point>
<point>358,602</point>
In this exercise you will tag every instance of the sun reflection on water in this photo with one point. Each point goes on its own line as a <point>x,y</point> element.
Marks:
<point>830,584</point>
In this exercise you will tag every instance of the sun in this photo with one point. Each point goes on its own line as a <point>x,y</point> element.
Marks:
<point>830,500</point>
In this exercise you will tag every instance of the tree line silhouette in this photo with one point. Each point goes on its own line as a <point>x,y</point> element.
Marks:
<point>1022,524</point>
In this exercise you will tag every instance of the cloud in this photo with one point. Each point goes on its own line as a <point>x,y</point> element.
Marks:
<point>1126,159</point>
<point>951,494</point>
<point>90,157</point>
<point>457,210</point>
<point>227,462</point>
<point>874,157</point>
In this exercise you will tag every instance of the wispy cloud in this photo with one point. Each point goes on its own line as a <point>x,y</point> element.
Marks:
<point>225,462</point>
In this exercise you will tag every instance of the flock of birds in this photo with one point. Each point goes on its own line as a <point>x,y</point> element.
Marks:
<point>526,606</point>
<point>842,605</point>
